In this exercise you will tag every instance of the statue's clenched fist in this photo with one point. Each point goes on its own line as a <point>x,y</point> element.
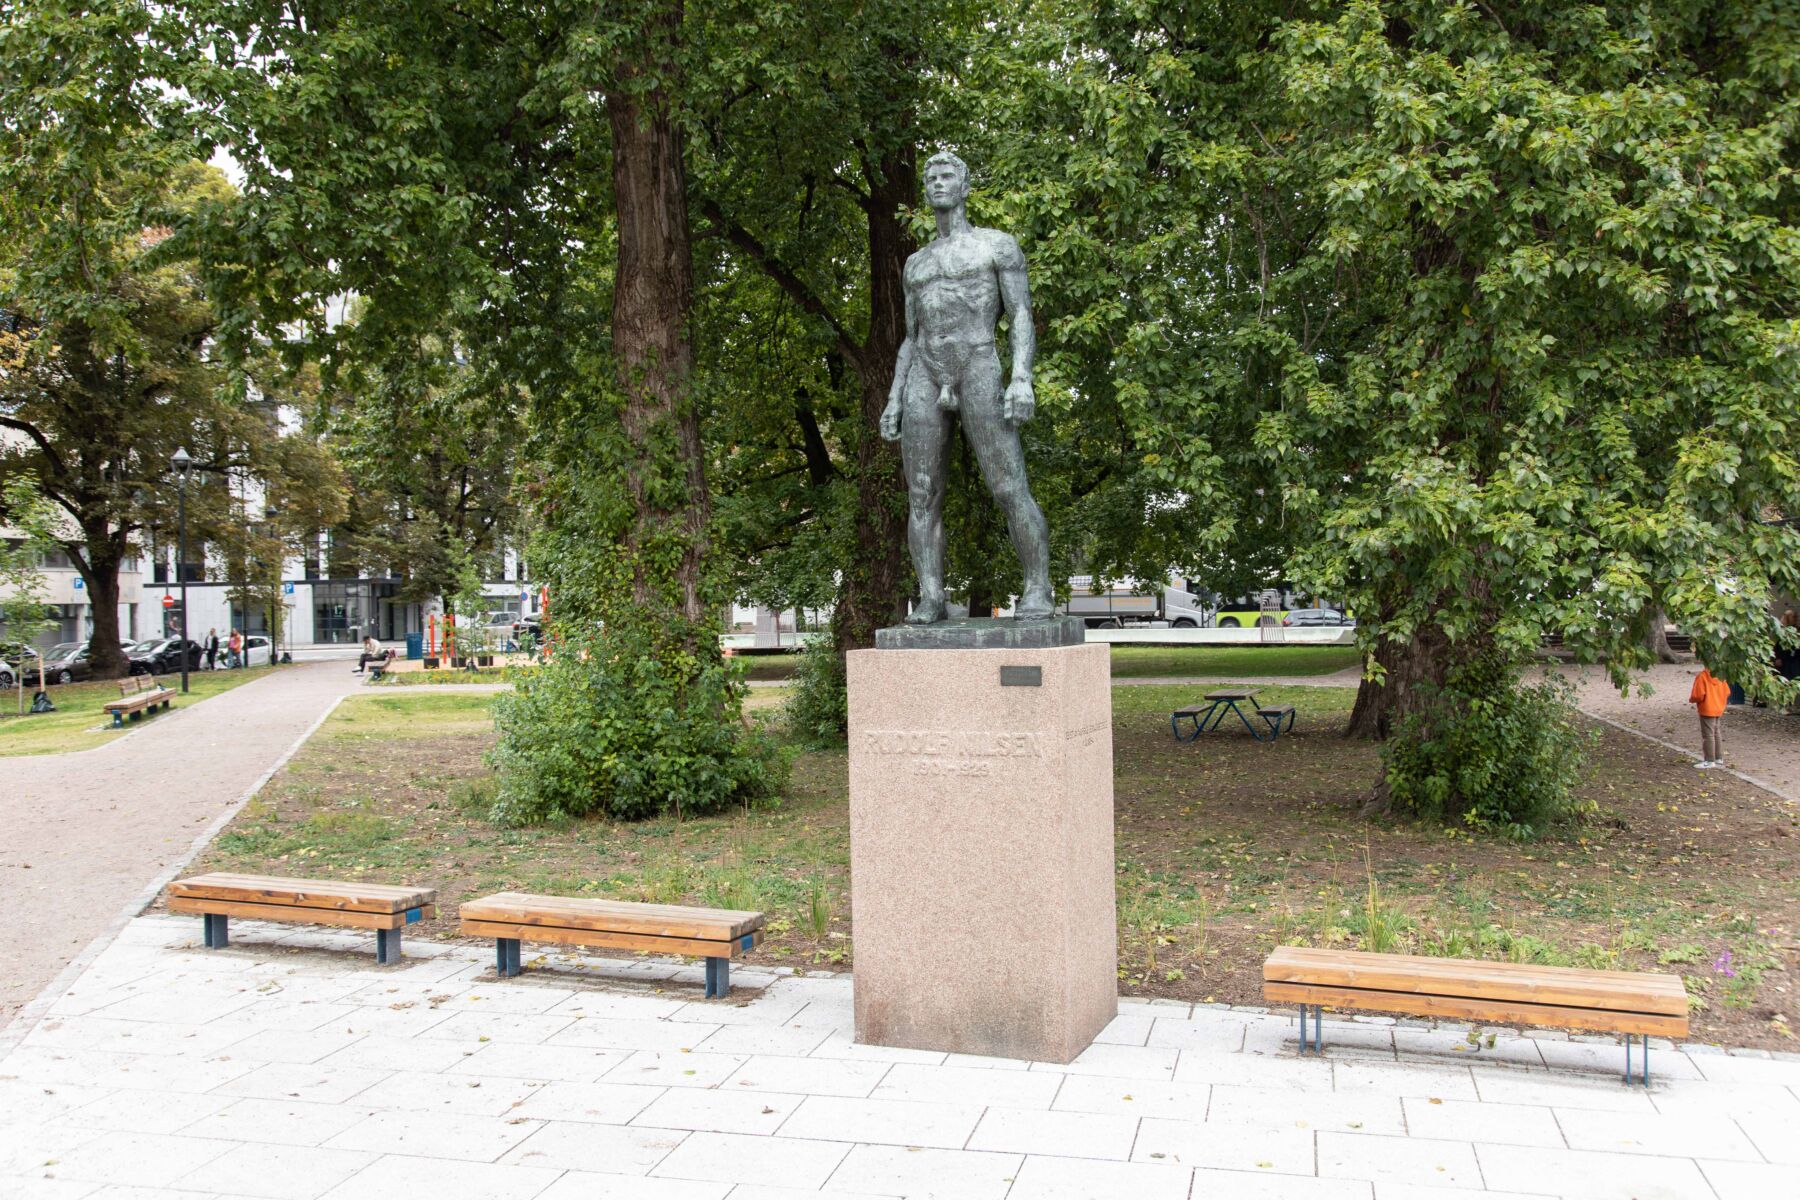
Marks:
<point>1020,402</point>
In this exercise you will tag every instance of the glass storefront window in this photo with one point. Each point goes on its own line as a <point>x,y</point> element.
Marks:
<point>340,611</point>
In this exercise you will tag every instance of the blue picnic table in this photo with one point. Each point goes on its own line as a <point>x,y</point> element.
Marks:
<point>1221,703</point>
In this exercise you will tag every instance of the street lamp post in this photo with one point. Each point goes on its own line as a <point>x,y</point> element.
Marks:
<point>183,463</point>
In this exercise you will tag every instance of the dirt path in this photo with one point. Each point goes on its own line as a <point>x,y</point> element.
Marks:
<point>1761,745</point>
<point>86,833</point>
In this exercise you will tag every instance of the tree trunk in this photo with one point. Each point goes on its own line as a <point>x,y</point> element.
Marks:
<point>873,590</point>
<point>1657,638</point>
<point>1422,660</point>
<point>652,301</point>
<point>101,577</point>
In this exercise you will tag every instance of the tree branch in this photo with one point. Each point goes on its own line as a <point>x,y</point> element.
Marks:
<point>778,271</point>
<point>43,443</point>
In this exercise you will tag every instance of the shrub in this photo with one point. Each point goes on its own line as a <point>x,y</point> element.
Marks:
<point>1489,753</point>
<point>616,724</point>
<point>818,710</point>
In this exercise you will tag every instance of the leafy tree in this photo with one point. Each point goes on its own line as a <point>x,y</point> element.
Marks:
<point>111,365</point>
<point>807,167</point>
<point>511,176</point>
<point>1481,314</point>
<point>1563,238</point>
<point>433,449</point>
<point>25,614</point>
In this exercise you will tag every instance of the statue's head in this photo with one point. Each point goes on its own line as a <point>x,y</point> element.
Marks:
<point>946,180</point>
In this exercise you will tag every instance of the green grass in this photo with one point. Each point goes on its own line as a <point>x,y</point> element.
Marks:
<point>80,723</point>
<point>1138,661</point>
<point>427,678</point>
<point>409,716</point>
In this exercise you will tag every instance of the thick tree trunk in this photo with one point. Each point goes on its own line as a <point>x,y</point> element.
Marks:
<point>873,590</point>
<point>652,301</point>
<point>1421,661</point>
<point>101,578</point>
<point>1657,638</point>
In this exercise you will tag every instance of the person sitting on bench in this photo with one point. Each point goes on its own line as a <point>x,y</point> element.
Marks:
<point>371,653</point>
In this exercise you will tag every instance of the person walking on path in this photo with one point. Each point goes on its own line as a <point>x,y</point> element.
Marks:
<point>1708,696</point>
<point>212,648</point>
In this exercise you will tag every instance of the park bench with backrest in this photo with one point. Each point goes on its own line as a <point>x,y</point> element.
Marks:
<point>138,694</point>
<point>1634,1004</point>
<point>715,934</point>
<point>219,897</point>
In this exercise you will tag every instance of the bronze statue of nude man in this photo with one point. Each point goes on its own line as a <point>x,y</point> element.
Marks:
<point>956,288</point>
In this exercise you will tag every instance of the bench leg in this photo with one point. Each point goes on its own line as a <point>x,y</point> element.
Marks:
<point>387,946</point>
<point>118,720</point>
<point>1317,1042</point>
<point>216,930</point>
<point>718,977</point>
<point>506,957</point>
<point>1644,1065</point>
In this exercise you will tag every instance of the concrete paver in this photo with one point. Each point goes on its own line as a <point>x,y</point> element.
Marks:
<point>85,832</point>
<point>251,1103</point>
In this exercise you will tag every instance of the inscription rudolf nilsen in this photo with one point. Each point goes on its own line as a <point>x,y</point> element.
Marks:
<point>964,753</point>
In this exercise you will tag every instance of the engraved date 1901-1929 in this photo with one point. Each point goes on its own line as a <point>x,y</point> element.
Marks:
<point>959,768</point>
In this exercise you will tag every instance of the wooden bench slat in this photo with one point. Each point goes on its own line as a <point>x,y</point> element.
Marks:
<point>620,916</point>
<point>356,919</point>
<point>1482,981</point>
<point>1517,1012</point>
<point>1310,956</point>
<point>698,947</point>
<point>309,895</point>
<point>1295,958</point>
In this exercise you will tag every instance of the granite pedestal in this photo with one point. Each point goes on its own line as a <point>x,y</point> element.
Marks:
<point>981,848</point>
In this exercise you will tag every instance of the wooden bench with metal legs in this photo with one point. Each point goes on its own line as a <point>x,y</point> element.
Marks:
<point>138,694</point>
<point>218,897</point>
<point>715,934</point>
<point>1634,1004</point>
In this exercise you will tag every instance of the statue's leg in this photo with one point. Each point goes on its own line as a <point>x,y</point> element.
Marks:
<point>924,446</point>
<point>997,449</point>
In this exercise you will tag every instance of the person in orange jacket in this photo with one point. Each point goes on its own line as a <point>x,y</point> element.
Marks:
<point>1708,697</point>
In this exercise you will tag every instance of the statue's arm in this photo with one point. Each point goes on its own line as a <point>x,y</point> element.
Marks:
<point>1015,297</point>
<point>890,417</point>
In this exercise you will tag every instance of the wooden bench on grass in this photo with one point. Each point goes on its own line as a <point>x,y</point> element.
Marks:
<point>138,694</point>
<point>219,897</point>
<point>1627,1002</point>
<point>715,934</point>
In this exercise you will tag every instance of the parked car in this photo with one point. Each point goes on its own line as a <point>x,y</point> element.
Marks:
<point>1316,616</point>
<point>257,651</point>
<point>9,673</point>
<point>68,662</point>
<point>163,656</point>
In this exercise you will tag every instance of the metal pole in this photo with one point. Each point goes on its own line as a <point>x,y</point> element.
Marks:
<point>181,576</point>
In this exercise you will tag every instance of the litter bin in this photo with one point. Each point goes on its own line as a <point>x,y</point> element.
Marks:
<point>415,645</point>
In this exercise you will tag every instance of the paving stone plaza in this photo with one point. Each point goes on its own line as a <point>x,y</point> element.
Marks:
<point>290,1066</point>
